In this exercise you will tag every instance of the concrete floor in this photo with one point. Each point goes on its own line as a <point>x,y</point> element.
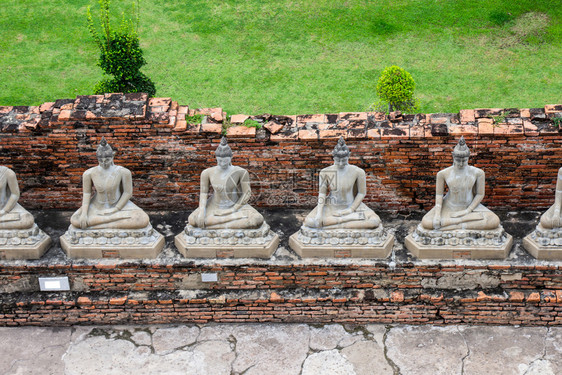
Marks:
<point>257,349</point>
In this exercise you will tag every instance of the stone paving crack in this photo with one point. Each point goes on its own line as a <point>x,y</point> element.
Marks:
<point>467,350</point>
<point>198,333</point>
<point>72,343</point>
<point>14,363</point>
<point>97,331</point>
<point>233,345</point>
<point>543,356</point>
<point>304,360</point>
<point>149,332</point>
<point>125,335</point>
<point>353,329</point>
<point>243,372</point>
<point>151,345</point>
<point>310,350</point>
<point>395,368</point>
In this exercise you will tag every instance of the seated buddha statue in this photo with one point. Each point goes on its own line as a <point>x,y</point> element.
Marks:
<point>551,218</point>
<point>12,215</point>
<point>342,188</point>
<point>461,207</point>
<point>108,205</point>
<point>227,207</point>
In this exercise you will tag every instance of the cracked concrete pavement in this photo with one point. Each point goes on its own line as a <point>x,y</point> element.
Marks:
<point>252,349</point>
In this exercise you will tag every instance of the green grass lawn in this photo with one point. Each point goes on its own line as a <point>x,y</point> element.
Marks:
<point>300,56</point>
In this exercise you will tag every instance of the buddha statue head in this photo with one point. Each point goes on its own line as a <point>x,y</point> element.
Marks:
<point>105,154</point>
<point>340,154</point>
<point>223,154</point>
<point>461,154</point>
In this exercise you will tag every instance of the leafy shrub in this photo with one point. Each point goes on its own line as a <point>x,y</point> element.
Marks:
<point>396,89</point>
<point>121,55</point>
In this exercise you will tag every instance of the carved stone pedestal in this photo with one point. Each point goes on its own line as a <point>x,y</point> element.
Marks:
<point>456,244</point>
<point>544,243</point>
<point>227,243</point>
<point>23,243</point>
<point>112,243</point>
<point>342,243</point>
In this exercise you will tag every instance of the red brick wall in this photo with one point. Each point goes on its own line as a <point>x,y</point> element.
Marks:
<point>409,293</point>
<point>50,146</point>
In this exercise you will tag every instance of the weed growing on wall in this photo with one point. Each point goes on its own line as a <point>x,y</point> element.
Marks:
<point>194,120</point>
<point>120,53</point>
<point>499,118</point>
<point>395,89</point>
<point>249,123</point>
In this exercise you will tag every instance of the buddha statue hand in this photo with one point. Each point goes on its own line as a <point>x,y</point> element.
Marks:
<point>200,219</point>
<point>318,222</point>
<point>84,220</point>
<point>460,213</point>
<point>556,218</point>
<point>347,211</point>
<point>228,211</point>
<point>109,211</point>
<point>437,221</point>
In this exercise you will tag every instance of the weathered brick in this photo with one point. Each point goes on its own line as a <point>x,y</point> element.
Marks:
<point>534,297</point>
<point>238,119</point>
<point>397,297</point>
<point>84,301</point>
<point>241,131</point>
<point>467,116</point>
<point>485,126</point>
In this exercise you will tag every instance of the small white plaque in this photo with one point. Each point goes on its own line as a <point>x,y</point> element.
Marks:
<point>52,284</point>
<point>49,284</point>
<point>209,277</point>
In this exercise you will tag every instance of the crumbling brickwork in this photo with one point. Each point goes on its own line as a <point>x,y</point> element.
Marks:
<point>136,292</point>
<point>50,146</point>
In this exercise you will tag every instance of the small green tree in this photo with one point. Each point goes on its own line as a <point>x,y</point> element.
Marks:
<point>121,55</point>
<point>395,88</point>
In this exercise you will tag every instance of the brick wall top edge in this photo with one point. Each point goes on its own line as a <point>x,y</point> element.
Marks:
<point>488,122</point>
